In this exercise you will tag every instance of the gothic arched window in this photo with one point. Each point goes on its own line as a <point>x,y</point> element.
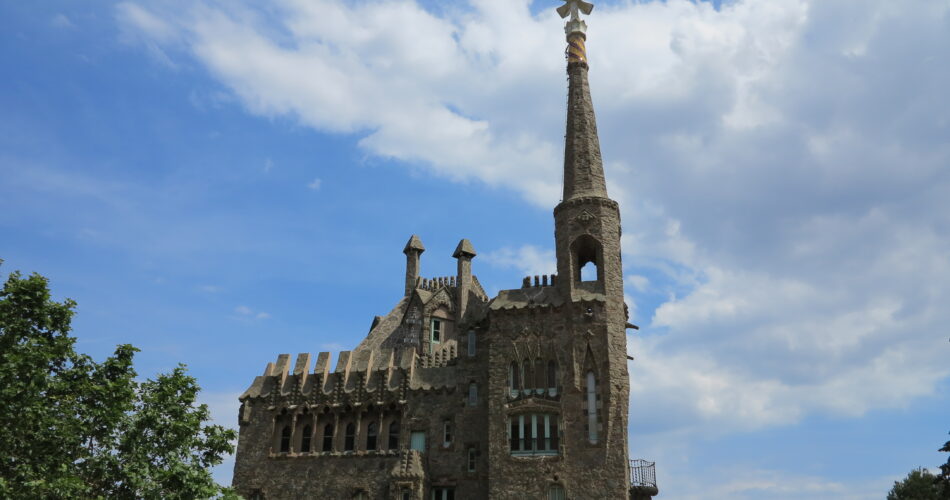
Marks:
<point>394,435</point>
<point>305,439</point>
<point>514,378</point>
<point>285,439</point>
<point>371,433</point>
<point>539,373</point>
<point>349,439</point>
<point>591,407</point>
<point>526,379</point>
<point>328,437</point>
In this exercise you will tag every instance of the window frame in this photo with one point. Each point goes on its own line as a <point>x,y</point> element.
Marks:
<point>435,334</point>
<point>285,434</point>
<point>473,393</point>
<point>327,445</point>
<point>472,464</point>
<point>534,434</point>
<point>306,439</point>
<point>447,433</point>
<point>472,347</point>
<point>349,437</point>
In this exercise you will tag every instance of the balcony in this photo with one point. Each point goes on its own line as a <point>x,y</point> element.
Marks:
<point>642,480</point>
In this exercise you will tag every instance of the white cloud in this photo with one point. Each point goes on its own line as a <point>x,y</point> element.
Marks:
<point>268,165</point>
<point>781,164</point>
<point>527,259</point>
<point>315,184</point>
<point>245,312</point>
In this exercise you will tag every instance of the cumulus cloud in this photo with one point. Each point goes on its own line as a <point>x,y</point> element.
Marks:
<point>527,259</point>
<point>782,167</point>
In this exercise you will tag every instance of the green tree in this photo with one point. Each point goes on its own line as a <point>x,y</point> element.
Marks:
<point>945,468</point>
<point>74,428</point>
<point>920,484</point>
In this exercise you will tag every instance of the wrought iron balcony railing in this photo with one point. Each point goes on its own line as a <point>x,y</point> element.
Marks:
<point>642,473</point>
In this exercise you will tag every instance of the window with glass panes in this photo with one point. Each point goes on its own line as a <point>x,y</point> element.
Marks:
<point>533,434</point>
<point>436,331</point>
<point>443,493</point>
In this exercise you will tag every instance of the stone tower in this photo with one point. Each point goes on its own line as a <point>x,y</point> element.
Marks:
<point>457,395</point>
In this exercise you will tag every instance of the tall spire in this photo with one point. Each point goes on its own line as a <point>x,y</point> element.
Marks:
<point>583,166</point>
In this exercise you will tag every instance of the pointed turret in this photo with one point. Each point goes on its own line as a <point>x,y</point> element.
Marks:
<point>587,221</point>
<point>590,272</point>
<point>464,252</point>
<point>583,166</point>
<point>413,251</point>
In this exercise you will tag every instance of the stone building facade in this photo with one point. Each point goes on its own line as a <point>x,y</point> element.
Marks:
<point>455,395</point>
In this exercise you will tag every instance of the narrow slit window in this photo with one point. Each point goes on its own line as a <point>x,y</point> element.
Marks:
<point>285,439</point>
<point>394,435</point>
<point>472,394</point>
<point>514,379</point>
<point>446,433</point>
<point>305,439</point>
<point>539,376</point>
<point>526,379</point>
<point>552,377</point>
<point>328,437</point>
<point>591,407</point>
<point>471,343</point>
<point>472,462</point>
<point>349,439</point>
<point>372,433</point>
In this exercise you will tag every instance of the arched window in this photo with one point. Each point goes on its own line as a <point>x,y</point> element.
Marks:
<point>526,379</point>
<point>328,437</point>
<point>371,433</point>
<point>285,439</point>
<point>539,377</point>
<point>591,407</point>
<point>552,377</point>
<point>471,343</point>
<point>472,394</point>
<point>394,435</point>
<point>305,439</point>
<point>587,250</point>
<point>514,379</point>
<point>349,439</point>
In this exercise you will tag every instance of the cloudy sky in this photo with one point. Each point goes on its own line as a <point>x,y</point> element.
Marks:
<point>218,182</point>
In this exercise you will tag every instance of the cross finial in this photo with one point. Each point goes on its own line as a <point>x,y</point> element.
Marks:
<point>574,7</point>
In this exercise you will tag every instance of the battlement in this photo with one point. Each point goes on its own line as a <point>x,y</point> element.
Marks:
<point>432,284</point>
<point>359,376</point>
<point>539,281</point>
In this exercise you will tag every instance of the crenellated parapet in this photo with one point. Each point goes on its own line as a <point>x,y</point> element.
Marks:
<point>359,378</point>
<point>542,280</point>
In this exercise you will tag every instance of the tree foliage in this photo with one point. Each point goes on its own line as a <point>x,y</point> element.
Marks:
<point>71,427</point>
<point>920,484</point>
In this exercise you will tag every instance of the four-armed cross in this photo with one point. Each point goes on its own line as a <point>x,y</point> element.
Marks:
<point>572,7</point>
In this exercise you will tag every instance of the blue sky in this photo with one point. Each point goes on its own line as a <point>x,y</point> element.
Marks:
<point>220,182</point>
